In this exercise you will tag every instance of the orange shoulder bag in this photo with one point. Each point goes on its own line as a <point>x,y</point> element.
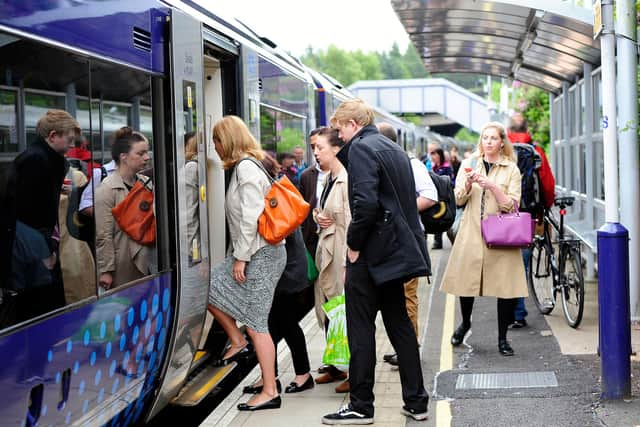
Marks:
<point>134,214</point>
<point>284,209</point>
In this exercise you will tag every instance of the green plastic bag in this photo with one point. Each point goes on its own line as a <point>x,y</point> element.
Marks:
<point>337,351</point>
<point>312,270</point>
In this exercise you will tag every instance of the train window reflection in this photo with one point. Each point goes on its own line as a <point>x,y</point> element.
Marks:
<point>36,104</point>
<point>58,116</point>
<point>280,132</point>
<point>8,124</point>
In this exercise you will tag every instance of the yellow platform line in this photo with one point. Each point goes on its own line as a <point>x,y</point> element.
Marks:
<point>443,408</point>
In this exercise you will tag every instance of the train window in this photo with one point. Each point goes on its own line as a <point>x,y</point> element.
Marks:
<point>8,114</point>
<point>58,115</point>
<point>123,254</point>
<point>47,255</point>
<point>281,132</point>
<point>36,104</point>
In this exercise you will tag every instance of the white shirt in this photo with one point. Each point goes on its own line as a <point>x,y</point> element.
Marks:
<point>424,184</point>
<point>320,184</point>
<point>86,200</point>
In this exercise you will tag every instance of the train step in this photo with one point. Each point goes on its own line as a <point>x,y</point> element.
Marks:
<point>199,387</point>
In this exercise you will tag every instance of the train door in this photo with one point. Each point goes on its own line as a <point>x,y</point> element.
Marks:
<point>190,201</point>
<point>220,97</point>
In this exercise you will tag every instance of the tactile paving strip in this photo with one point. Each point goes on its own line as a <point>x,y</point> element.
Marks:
<point>506,380</point>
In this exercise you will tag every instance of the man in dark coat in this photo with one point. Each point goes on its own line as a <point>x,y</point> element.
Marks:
<point>34,185</point>
<point>386,248</point>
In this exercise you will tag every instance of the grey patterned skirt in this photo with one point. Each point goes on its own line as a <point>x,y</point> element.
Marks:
<point>249,302</point>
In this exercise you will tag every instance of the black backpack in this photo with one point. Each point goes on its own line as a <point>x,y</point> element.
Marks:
<point>440,217</point>
<point>80,226</point>
<point>529,162</point>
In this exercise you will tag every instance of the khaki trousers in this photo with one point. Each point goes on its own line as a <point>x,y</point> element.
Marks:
<point>411,295</point>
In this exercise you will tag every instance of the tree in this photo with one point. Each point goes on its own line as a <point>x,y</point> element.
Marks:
<point>534,104</point>
<point>413,63</point>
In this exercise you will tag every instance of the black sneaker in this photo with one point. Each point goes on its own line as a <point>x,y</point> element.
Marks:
<point>518,324</point>
<point>415,414</point>
<point>346,415</point>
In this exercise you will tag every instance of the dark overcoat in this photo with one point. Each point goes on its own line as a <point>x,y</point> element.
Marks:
<point>384,225</point>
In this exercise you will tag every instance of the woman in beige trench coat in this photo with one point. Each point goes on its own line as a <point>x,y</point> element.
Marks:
<point>333,217</point>
<point>473,268</point>
<point>120,258</point>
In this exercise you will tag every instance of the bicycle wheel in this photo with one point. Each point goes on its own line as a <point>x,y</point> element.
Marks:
<point>572,287</point>
<point>540,277</point>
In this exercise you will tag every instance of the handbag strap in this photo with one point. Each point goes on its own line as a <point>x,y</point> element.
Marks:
<point>515,205</point>
<point>259,164</point>
<point>145,183</point>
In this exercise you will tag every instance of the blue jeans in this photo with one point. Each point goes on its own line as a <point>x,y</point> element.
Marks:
<point>521,310</point>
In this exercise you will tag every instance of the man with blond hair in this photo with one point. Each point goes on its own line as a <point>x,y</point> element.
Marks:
<point>386,248</point>
<point>34,185</point>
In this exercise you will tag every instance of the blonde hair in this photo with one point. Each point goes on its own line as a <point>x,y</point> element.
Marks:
<point>507,149</point>
<point>58,121</point>
<point>353,109</point>
<point>236,140</point>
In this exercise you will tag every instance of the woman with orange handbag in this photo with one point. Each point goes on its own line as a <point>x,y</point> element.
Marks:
<point>121,259</point>
<point>243,285</point>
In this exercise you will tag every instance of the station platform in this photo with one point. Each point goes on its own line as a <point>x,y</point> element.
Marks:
<point>552,380</point>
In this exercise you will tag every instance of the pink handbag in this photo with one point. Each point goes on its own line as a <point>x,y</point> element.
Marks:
<point>507,230</point>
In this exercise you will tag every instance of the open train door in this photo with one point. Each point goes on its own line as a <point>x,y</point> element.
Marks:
<point>185,48</point>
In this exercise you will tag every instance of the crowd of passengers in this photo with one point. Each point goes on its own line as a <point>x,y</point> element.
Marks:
<point>363,235</point>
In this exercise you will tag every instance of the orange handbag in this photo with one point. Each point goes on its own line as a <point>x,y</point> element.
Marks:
<point>284,209</point>
<point>134,214</point>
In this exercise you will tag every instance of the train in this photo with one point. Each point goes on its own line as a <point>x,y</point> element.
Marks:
<point>165,68</point>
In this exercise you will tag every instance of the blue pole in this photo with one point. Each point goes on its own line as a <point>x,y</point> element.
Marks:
<point>613,309</point>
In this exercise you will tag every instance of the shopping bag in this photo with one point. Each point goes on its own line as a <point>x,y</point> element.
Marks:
<point>337,351</point>
<point>312,270</point>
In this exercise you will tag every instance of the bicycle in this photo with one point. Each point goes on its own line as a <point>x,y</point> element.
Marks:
<point>549,274</point>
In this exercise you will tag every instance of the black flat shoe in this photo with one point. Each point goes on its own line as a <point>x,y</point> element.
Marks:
<point>244,352</point>
<point>504,348</point>
<point>295,388</point>
<point>458,335</point>
<point>251,389</point>
<point>274,403</point>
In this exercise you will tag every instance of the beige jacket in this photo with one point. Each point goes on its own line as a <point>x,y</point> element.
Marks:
<point>76,260</point>
<point>331,254</point>
<point>116,252</point>
<point>474,269</point>
<point>244,204</point>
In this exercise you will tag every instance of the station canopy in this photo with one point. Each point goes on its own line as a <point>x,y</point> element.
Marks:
<point>538,42</point>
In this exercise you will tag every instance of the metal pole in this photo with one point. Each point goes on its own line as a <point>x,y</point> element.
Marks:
<point>628,140</point>
<point>589,155</point>
<point>565,148</point>
<point>613,247</point>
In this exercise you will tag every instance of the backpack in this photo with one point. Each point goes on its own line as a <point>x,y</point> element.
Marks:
<point>440,217</point>
<point>80,226</point>
<point>529,162</point>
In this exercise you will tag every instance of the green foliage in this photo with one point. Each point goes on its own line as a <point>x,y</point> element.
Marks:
<point>289,139</point>
<point>467,135</point>
<point>534,104</point>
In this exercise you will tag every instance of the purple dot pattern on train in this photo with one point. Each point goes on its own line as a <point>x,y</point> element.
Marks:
<point>111,360</point>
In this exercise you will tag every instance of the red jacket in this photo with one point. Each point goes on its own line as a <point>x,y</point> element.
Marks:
<point>547,181</point>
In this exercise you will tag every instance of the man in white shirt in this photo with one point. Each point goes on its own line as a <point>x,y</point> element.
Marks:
<point>86,200</point>
<point>426,196</point>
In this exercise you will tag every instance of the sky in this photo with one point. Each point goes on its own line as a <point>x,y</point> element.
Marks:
<point>369,25</point>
